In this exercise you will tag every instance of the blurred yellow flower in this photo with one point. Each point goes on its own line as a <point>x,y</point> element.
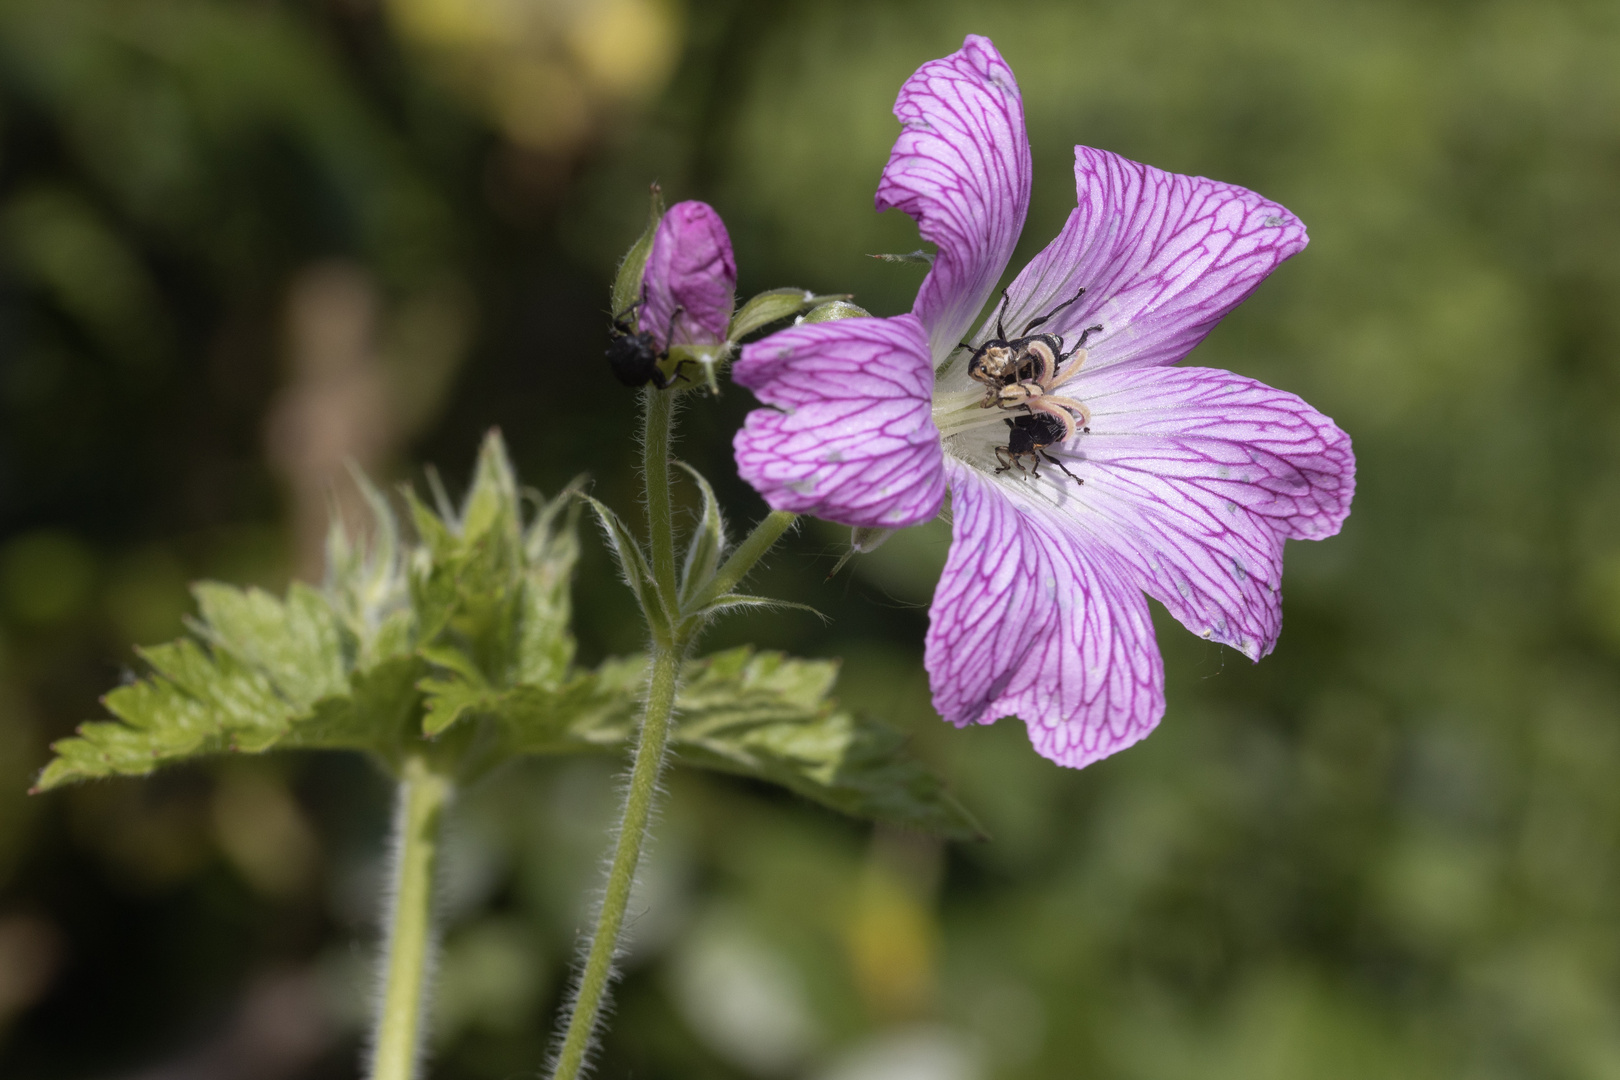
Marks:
<point>547,72</point>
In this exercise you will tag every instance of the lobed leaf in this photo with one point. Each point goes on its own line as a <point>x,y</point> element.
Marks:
<point>459,646</point>
<point>397,641</point>
<point>769,717</point>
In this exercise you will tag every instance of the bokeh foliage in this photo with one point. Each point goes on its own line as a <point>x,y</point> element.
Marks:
<point>1388,850</point>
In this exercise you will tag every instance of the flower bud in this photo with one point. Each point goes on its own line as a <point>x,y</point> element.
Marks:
<point>690,278</point>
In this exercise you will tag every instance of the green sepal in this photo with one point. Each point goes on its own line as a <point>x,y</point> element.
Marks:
<point>837,309</point>
<point>709,359</point>
<point>627,283</point>
<point>772,305</point>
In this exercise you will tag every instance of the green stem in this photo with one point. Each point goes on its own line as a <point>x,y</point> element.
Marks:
<point>638,804</point>
<point>749,552</point>
<point>669,649</point>
<point>423,795</point>
<point>659,411</point>
<point>670,643</point>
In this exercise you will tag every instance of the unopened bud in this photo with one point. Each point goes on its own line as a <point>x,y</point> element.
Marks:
<point>690,279</point>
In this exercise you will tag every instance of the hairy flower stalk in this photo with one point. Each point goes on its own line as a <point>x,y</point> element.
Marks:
<point>687,307</point>
<point>407,957</point>
<point>1084,468</point>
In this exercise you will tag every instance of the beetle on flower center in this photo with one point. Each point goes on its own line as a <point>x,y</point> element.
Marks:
<point>1028,437</point>
<point>1023,373</point>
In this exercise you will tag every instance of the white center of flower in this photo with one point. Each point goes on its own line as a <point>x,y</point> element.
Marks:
<point>961,410</point>
<point>1004,410</point>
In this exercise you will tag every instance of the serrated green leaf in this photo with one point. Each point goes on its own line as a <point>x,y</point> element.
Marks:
<point>197,701</point>
<point>492,501</point>
<point>627,282</point>
<point>551,549</point>
<point>398,640</point>
<point>772,305</point>
<point>708,540</point>
<point>756,714</point>
<point>767,716</point>
<point>450,699</point>
<point>595,711</point>
<point>592,711</point>
<point>492,594</point>
<point>297,644</point>
<point>379,713</point>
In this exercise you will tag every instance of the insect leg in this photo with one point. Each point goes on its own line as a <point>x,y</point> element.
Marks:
<point>658,378</point>
<point>1047,317</point>
<point>1054,461</point>
<point>669,334</point>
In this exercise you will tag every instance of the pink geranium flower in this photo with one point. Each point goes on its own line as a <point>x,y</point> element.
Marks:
<point>1084,469</point>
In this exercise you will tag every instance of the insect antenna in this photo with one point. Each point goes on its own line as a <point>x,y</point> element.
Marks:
<point>621,316</point>
<point>1096,328</point>
<point>1001,312</point>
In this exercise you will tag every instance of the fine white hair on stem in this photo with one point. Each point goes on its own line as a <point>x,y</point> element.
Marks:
<point>598,896</point>
<point>388,918</point>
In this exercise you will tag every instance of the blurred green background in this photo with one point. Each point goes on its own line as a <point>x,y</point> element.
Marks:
<point>241,242</point>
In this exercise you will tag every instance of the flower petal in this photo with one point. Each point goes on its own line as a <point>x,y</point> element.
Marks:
<point>1247,443</point>
<point>1032,620</point>
<point>1194,477</point>
<point>852,438</point>
<point>1161,256</point>
<point>961,169</point>
<point>688,288</point>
